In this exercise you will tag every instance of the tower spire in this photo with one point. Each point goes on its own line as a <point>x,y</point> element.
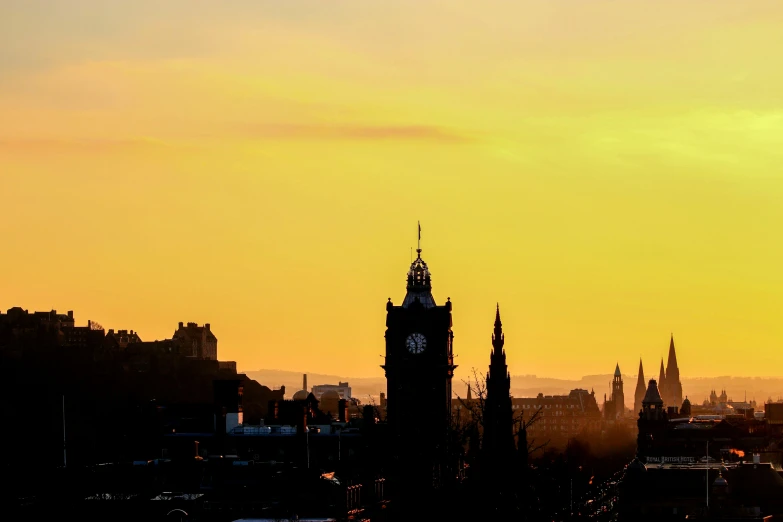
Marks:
<point>673,396</point>
<point>641,389</point>
<point>498,441</point>
<point>662,381</point>
<point>671,363</point>
<point>497,336</point>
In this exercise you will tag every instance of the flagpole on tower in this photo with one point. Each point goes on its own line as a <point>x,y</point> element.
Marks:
<point>419,247</point>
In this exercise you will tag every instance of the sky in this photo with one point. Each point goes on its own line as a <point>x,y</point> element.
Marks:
<point>609,172</point>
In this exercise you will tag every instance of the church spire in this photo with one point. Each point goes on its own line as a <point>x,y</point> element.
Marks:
<point>641,389</point>
<point>671,364</point>
<point>673,390</point>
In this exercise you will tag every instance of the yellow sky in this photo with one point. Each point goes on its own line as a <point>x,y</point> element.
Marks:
<point>608,171</point>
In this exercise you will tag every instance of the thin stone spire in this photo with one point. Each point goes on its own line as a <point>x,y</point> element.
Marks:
<point>662,381</point>
<point>641,389</point>
<point>671,364</point>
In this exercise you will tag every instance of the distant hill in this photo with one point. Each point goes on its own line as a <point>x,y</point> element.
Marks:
<point>696,388</point>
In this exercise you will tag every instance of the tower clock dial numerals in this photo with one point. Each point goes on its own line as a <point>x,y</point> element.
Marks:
<point>416,343</point>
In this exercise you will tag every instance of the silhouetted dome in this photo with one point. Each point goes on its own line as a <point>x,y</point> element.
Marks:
<point>637,465</point>
<point>301,395</point>
<point>419,284</point>
<point>653,396</point>
<point>330,394</point>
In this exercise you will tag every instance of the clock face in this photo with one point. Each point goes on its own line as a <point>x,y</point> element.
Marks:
<point>416,343</point>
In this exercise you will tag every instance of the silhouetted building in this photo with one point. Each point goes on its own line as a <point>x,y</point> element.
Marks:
<point>498,438</point>
<point>641,389</point>
<point>561,417</point>
<point>652,419</point>
<point>119,340</point>
<point>341,388</point>
<point>228,405</point>
<point>732,492</point>
<point>197,341</point>
<point>673,389</point>
<point>716,399</point>
<point>419,366</point>
<point>614,408</point>
<point>685,410</point>
<point>89,338</point>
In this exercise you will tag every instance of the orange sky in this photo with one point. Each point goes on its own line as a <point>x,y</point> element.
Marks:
<point>608,171</point>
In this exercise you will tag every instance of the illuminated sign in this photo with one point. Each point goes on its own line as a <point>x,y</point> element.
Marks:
<point>671,460</point>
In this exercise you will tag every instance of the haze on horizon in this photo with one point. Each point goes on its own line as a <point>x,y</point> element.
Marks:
<point>608,172</point>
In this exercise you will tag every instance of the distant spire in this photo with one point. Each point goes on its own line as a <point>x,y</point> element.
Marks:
<point>470,393</point>
<point>671,364</point>
<point>498,338</point>
<point>617,371</point>
<point>640,379</point>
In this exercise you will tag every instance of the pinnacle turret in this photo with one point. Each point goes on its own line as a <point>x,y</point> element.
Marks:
<point>498,339</point>
<point>641,389</point>
<point>661,385</point>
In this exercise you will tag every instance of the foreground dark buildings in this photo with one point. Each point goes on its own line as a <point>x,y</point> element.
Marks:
<point>108,426</point>
<point>702,469</point>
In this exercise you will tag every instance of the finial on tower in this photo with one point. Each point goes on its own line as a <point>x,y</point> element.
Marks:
<point>418,249</point>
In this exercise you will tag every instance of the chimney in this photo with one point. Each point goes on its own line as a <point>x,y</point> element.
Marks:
<point>304,382</point>
<point>383,400</point>
<point>70,314</point>
<point>206,327</point>
<point>342,410</point>
<point>181,324</point>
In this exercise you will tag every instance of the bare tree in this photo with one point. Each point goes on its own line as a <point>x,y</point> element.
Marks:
<point>472,423</point>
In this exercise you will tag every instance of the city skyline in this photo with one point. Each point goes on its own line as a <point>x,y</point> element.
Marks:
<point>606,195</point>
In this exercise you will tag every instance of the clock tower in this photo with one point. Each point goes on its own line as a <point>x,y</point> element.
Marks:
<point>419,368</point>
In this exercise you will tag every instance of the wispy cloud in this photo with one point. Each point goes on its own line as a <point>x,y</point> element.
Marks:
<point>45,145</point>
<point>355,132</point>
